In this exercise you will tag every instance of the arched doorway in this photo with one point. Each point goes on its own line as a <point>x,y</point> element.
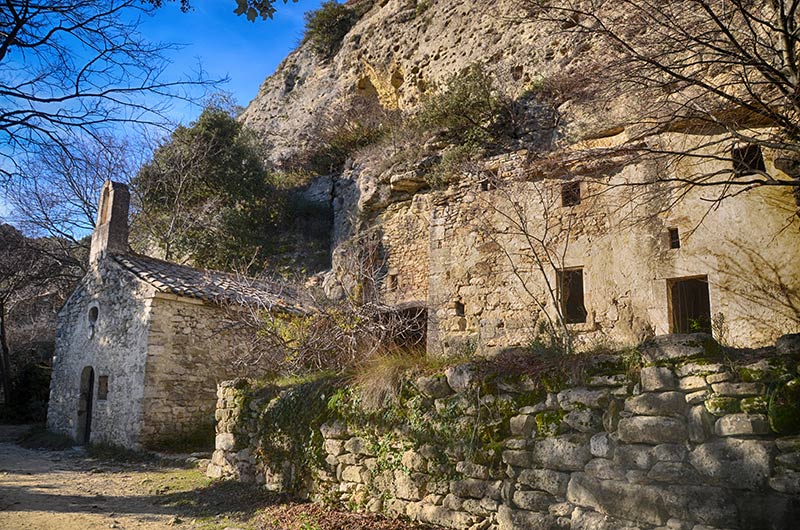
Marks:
<point>85,401</point>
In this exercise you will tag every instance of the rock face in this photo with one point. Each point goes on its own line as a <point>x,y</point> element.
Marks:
<point>398,51</point>
<point>452,250</point>
<point>665,465</point>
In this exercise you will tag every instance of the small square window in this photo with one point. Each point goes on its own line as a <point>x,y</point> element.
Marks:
<point>102,387</point>
<point>460,309</point>
<point>571,193</point>
<point>674,238</point>
<point>570,291</point>
<point>747,160</point>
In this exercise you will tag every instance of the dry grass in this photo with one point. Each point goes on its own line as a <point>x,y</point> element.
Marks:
<point>380,379</point>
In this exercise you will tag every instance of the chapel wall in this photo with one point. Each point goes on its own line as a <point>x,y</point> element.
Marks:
<point>192,347</point>
<point>114,345</point>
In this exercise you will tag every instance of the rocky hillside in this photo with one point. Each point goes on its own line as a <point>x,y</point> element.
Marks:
<point>396,54</point>
<point>401,49</point>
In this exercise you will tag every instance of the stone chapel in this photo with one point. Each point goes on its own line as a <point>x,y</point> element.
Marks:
<point>142,343</point>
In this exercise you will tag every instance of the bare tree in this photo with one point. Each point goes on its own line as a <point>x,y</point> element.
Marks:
<point>72,69</point>
<point>315,333</point>
<point>726,72</point>
<point>58,197</point>
<point>27,267</point>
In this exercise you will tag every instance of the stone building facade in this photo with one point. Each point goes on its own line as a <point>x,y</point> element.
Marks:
<point>492,256</point>
<point>142,343</point>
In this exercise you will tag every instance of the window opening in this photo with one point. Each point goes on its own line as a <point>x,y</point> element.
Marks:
<point>747,160</point>
<point>460,309</point>
<point>570,286</point>
<point>571,193</point>
<point>674,238</point>
<point>102,387</point>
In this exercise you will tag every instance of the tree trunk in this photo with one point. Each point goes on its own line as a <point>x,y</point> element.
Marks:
<point>5,361</point>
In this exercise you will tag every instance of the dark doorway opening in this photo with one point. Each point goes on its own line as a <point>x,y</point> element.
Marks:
<point>408,325</point>
<point>570,293</point>
<point>690,306</point>
<point>85,401</point>
<point>414,329</point>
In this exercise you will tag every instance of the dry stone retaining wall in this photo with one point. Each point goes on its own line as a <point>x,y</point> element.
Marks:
<point>691,446</point>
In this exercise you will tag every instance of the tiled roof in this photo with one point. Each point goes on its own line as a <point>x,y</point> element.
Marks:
<point>211,286</point>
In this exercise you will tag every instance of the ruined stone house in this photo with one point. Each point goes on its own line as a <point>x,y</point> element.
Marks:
<point>622,258</point>
<point>141,343</point>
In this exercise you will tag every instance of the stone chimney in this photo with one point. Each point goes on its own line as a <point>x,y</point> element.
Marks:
<point>111,231</point>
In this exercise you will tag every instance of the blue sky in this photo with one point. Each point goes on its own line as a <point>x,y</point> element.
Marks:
<point>224,44</point>
<point>227,44</point>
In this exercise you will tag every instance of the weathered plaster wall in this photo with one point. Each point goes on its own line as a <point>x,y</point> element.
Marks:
<point>192,347</point>
<point>114,346</point>
<point>480,257</point>
<point>690,446</point>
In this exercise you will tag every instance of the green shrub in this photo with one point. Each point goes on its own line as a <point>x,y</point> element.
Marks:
<point>327,26</point>
<point>207,197</point>
<point>468,109</point>
<point>454,163</point>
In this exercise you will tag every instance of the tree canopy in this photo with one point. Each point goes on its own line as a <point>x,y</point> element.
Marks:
<point>207,198</point>
<point>204,193</point>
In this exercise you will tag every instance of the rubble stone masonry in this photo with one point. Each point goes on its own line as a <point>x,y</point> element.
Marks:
<point>695,444</point>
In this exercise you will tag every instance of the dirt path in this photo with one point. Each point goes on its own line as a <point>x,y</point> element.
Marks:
<point>66,490</point>
<point>69,490</point>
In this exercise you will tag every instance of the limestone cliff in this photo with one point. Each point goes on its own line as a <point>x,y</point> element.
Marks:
<point>454,249</point>
<point>399,49</point>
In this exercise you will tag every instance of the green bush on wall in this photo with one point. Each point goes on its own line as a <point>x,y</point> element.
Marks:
<point>327,26</point>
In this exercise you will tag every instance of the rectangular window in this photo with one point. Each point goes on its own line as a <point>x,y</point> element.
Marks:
<point>571,193</point>
<point>570,293</point>
<point>674,238</point>
<point>102,387</point>
<point>747,160</point>
<point>460,309</point>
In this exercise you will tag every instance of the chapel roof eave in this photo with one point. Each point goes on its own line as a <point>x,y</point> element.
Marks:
<point>214,287</point>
